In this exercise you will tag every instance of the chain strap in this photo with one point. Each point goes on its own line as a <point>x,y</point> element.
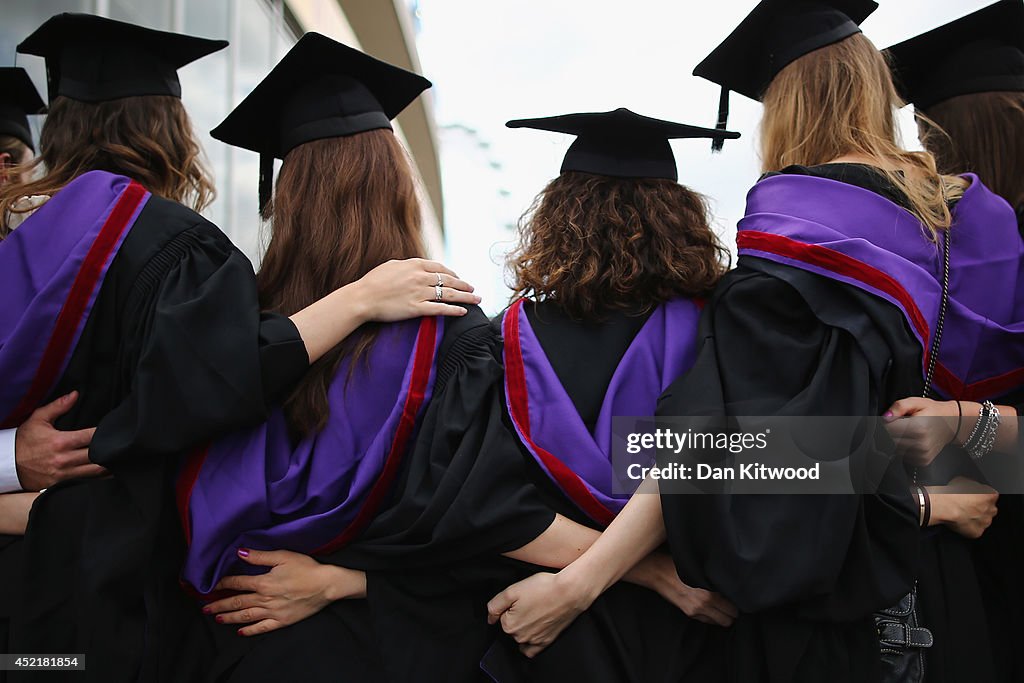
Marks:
<point>933,354</point>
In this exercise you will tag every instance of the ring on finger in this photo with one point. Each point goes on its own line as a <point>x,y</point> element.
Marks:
<point>438,293</point>
<point>440,282</point>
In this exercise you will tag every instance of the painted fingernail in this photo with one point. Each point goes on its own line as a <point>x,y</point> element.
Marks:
<point>242,552</point>
<point>239,632</point>
<point>206,609</point>
<point>219,618</point>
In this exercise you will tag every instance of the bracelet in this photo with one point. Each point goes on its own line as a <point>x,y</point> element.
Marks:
<point>983,436</point>
<point>927,507</point>
<point>920,504</point>
<point>959,420</point>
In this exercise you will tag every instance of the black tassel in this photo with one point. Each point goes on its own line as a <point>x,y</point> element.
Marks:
<point>723,119</point>
<point>266,179</point>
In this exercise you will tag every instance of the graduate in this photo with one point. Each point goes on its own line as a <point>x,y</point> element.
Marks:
<point>391,415</point>
<point>834,309</point>
<point>966,82</point>
<point>118,290</point>
<point>19,99</point>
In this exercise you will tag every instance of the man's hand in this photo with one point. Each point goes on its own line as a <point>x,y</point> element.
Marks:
<point>44,455</point>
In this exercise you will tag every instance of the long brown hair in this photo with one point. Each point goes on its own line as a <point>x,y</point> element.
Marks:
<point>982,133</point>
<point>840,100</point>
<point>342,207</point>
<point>147,138</point>
<point>594,243</point>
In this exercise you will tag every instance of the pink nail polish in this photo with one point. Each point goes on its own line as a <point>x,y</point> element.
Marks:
<point>240,632</point>
<point>219,619</point>
<point>206,609</point>
<point>242,552</point>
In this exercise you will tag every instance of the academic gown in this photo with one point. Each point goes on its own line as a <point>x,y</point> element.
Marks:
<point>174,351</point>
<point>457,495</point>
<point>787,340</point>
<point>438,620</point>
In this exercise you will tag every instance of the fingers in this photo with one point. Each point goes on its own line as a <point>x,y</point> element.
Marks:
<point>498,605</point>
<point>75,458</point>
<point>530,650</point>
<point>263,558</point>
<point>452,296</point>
<point>428,308</point>
<point>245,616</point>
<point>265,626</point>
<point>435,267</point>
<point>51,411</point>
<point>248,584</point>
<point>724,606</point>
<point>903,407</point>
<point>78,439</point>
<point>86,471</point>
<point>234,603</point>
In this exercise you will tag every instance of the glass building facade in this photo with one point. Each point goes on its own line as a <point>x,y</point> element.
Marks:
<point>260,33</point>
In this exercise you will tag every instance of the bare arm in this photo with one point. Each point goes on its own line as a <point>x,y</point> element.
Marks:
<point>14,509</point>
<point>396,290</point>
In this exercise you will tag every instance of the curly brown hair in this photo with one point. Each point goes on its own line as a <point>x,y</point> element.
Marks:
<point>594,244</point>
<point>147,138</point>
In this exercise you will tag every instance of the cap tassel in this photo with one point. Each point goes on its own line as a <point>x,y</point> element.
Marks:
<point>723,119</point>
<point>266,180</point>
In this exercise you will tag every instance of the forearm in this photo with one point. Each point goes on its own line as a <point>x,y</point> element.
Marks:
<point>325,323</point>
<point>637,531</point>
<point>14,509</point>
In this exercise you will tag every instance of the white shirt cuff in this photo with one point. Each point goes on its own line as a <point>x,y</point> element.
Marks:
<point>8,469</point>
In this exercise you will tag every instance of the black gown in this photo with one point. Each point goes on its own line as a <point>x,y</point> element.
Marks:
<point>781,341</point>
<point>462,493</point>
<point>175,351</point>
<point>436,621</point>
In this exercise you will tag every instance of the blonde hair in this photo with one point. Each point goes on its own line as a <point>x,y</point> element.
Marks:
<point>838,101</point>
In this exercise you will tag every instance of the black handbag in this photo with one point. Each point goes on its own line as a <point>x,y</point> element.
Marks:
<point>902,639</point>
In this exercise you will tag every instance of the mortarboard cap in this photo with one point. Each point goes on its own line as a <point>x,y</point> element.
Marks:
<point>620,143</point>
<point>774,34</point>
<point>320,89</point>
<point>18,99</point>
<point>981,52</point>
<point>95,59</point>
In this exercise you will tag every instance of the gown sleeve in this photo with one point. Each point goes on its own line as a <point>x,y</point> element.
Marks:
<point>779,341</point>
<point>201,358</point>
<point>465,489</point>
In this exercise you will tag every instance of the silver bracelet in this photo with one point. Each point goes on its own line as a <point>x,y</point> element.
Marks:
<point>983,436</point>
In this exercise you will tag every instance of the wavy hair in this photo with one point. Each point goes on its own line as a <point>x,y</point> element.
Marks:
<point>840,100</point>
<point>342,207</point>
<point>147,138</point>
<point>593,244</point>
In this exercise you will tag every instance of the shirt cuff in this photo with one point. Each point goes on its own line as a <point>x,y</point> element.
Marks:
<point>8,469</point>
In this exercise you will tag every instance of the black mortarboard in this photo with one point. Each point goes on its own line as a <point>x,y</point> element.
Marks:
<point>775,33</point>
<point>321,89</point>
<point>18,99</point>
<point>94,59</point>
<point>981,52</point>
<point>620,143</point>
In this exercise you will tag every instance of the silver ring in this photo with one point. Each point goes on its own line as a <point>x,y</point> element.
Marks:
<point>438,293</point>
<point>439,281</point>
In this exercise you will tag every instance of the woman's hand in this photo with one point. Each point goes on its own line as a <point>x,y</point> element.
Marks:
<point>537,609</point>
<point>400,290</point>
<point>296,587</point>
<point>14,509</point>
<point>657,572</point>
<point>922,427</point>
<point>964,505</point>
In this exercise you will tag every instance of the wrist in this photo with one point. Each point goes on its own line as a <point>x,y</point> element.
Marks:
<point>335,582</point>
<point>940,506</point>
<point>583,587</point>
<point>354,297</point>
<point>971,413</point>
